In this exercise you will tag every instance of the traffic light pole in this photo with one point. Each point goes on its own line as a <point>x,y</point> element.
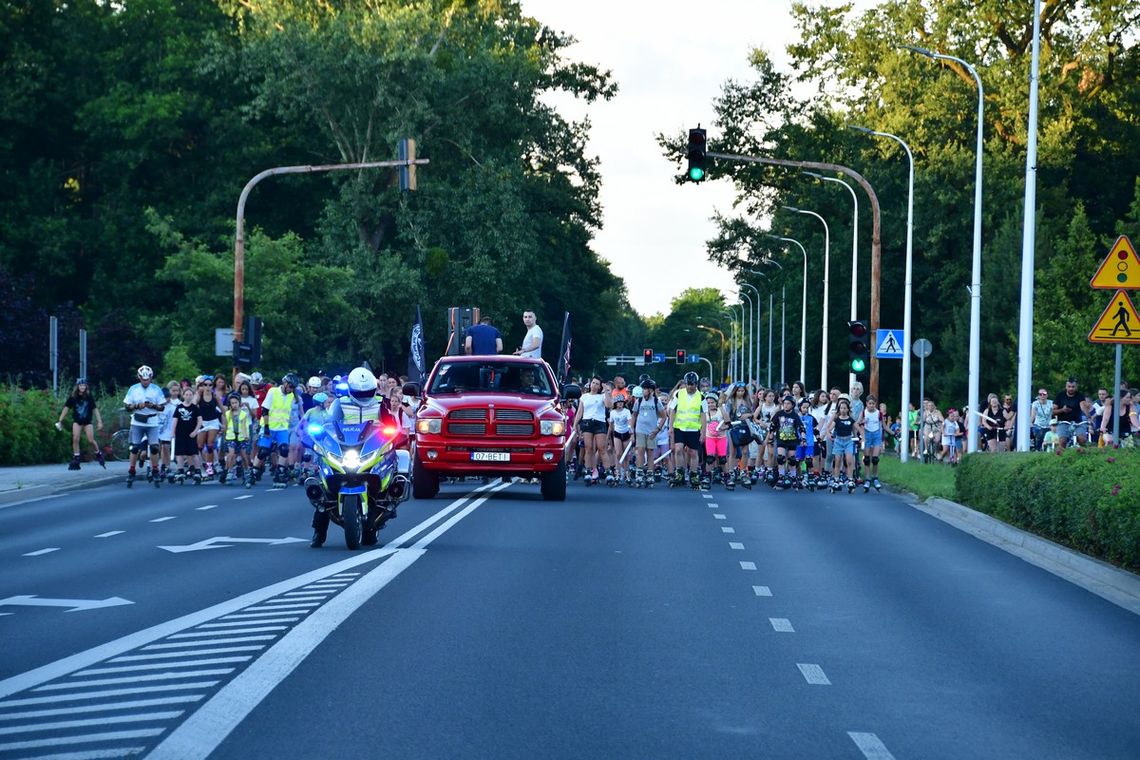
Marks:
<point>239,237</point>
<point>876,242</point>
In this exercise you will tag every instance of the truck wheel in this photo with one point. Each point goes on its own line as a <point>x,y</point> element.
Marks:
<point>554,483</point>
<point>425,483</point>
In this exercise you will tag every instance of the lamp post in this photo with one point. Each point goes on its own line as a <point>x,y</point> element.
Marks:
<point>976,265</point>
<point>733,354</point>
<point>783,313</point>
<point>803,310</point>
<point>904,405</point>
<point>826,271</point>
<point>854,252</point>
<point>723,340</point>
<point>1028,242</point>
<point>756,327</point>
<point>751,341</point>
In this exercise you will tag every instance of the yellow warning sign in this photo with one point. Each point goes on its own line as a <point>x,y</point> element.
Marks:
<point>1121,269</point>
<point>1119,323</point>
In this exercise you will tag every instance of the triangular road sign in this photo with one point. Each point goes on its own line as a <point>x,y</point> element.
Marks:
<point>1120,269</point>
<point>1119,324</point>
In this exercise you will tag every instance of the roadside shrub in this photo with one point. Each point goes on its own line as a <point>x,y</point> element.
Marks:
<point>27,418</point>
<point>1087,499</point>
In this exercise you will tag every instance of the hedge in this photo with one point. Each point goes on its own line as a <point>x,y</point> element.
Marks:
<point>27,421</point>
<point>1085,498</point>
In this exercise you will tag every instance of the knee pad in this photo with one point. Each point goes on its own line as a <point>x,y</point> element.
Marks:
<point>283,450</point>
<point>263,452</point>
<point>807,461</point>
<point>875,461</point>
<point>154,449</point>
<point>136,448</point>
<point>722,461</point>
<point>866,461</point>
<point>781,459</point>
<point>709,458</point>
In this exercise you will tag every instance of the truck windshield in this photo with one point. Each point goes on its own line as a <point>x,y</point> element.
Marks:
<point>491,377</point>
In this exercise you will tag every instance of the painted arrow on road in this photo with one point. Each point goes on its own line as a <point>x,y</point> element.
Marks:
<point>76,605</point>
<point>222,542</point>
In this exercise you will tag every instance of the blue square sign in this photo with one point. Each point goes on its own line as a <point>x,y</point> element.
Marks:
<point>889,344</point>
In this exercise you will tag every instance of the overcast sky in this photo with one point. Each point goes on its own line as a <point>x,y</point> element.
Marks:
<point>669,60</point>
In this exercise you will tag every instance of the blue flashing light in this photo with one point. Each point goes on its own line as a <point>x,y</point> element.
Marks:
<point>314,429</point>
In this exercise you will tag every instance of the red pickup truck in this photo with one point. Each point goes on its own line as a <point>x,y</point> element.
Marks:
<point>490,416</point>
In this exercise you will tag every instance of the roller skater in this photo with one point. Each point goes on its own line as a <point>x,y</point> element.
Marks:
<point>145,402</point>
<point>688,420</point>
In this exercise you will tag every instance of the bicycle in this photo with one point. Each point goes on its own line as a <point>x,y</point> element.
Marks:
<point>121,438</point>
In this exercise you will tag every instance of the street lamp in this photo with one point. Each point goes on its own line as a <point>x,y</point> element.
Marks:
<point>976,266</point>
<point>803,310</point>
<point>723,340</point>
<point>734,355</point>
<point>854,252</point>
<point>755,326</point>
<point>904,405</point>
<point>751,340</point>
<point>783,317</point>
<point>826,271</point>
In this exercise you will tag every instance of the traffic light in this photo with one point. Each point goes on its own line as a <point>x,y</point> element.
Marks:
<point>858,348</point>
<point>696,154</point>
<point>648,354</point>
<point>253,329</point>
<point>680,356</point>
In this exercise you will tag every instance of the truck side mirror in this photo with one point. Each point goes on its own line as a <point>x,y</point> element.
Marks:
<point>412,389</point>
<point>571,392</point>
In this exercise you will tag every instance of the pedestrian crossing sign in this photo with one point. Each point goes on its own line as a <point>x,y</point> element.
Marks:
<point>1119,323</point>
<point>889,344</point>
<point>1120,269</point>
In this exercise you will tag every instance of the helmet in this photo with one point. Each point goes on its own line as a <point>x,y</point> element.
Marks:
<point>145,373</point>
<point>232,395</point>
<point>321,397</point>
<point>257,378</point>
<point>80,381</point>
<point>291,379</point>
<point>635,392</point>
<point>240,378</point>
<point>314,382</point>
<point>362,384</point>
<point>691,378</point>
<point>710,395</point>
<point>642,378</point>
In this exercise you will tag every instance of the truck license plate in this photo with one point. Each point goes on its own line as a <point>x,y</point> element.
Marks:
<point>490,456</point>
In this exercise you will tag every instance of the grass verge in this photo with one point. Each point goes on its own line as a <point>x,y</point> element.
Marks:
<point>924,480</point>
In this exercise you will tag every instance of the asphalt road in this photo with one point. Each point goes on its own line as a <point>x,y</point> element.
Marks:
<point>620,623</point>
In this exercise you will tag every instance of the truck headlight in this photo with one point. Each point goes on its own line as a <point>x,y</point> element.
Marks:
<point>552,427</point>
<point>429,425</point>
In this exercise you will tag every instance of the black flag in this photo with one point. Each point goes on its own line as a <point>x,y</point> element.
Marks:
<point>417,364</point>
<point>564,352</point>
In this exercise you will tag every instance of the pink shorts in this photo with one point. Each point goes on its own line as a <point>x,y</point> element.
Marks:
<point>716,447</point>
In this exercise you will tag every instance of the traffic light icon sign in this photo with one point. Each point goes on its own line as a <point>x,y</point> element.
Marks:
<point>858,346</point>
<point>695,152</point>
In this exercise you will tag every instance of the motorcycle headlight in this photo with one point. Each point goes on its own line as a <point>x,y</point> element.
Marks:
<point>429,425</point>
<point>552,427</point>
<point>351,459</point>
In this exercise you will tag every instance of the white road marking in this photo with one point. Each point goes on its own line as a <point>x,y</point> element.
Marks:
<point>106,706</point>
<point>298,607</point>
<point>185,653</point>
<point>160,665</point>
<point>251,617</point>
<point>747,565</point>
<point>235,632</point>
<point>813,674</point>
<point>246,496</point>
<point>88,722</point>
<point>312,593</point>
<point>82,739</point>
<point>108,693</point>
<point>713,505</point>
<point>727,529</point>
<point>208,642</point>
<point>706,496</point>
<point>110,533</point>
<point>208,506</point>
<point>38,552</point>
<point>239,623</point>
<point>781,625</point>
<point>302,596</point>
<point>206,728</point>
<point>871,746</point>
<point>719,516</point>
<point>761,591</point>
<point>133,679</point>
<point>736,545</point>
<point>164,519</point>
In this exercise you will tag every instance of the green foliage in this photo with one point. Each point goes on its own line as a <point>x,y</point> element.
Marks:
<point>678,329</point>
<point>27,418</point>
<point>177,364</point>
<point>923,480</point>
<point>1085,498</point>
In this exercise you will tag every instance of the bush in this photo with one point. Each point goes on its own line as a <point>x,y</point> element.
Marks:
<point>27,418</point>
<point>1087,499</point>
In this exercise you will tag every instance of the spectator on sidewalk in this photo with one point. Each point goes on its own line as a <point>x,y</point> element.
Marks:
<point>1041,413</point>
<point>1071,408</point>
<point>83,412</point>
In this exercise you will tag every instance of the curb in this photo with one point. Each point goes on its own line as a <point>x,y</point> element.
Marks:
<point>17,495</point>
<point>1120,587</point>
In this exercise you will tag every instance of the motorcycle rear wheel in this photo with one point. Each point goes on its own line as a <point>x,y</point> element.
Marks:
<point>350,520</point>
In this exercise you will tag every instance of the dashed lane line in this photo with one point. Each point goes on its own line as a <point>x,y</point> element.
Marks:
<point>781,625</point>
<point>719,516</point>
<point>727,529</point>
<point>41,552</point>
<point>761,591</point>
<point>110,533</point>
<point>164,519</point>
<point>736,546</point>
<point>813,674</point>
<point>747,565</point>
<point>870,745</point>
<point>246,496</point>
<point>208,506</point>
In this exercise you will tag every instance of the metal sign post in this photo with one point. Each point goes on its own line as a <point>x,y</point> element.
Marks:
<point>921,349</point>
<point>53,353</point>
<point>83,353</point>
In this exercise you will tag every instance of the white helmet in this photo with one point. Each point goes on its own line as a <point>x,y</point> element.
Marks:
<point>314,382</point>
<point>256,378</point>
<point>145,373</point>
<point>362,384</point>
<point>241,378</point>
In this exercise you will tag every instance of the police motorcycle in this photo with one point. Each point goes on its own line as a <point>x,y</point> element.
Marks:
<point>362,477</point>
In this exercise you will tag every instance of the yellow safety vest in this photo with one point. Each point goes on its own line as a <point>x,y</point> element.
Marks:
<point>280,409</point>
<point>237,430</point>
<point>356,415</point>
<point>689,409</point>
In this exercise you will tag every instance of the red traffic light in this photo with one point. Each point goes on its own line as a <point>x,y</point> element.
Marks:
<point>857,329</point>
<point>648,354</point>
<point>680,356</point>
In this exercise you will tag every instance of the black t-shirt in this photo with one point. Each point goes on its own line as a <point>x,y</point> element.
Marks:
<point>1068,408</point>
<point>209,411</point>
<point>82,409</point>
<point>788,426</point>
<point>844,427</point>
<point>185,419</point>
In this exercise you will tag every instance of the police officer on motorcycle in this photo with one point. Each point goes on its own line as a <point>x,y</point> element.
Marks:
<point>360,405</point>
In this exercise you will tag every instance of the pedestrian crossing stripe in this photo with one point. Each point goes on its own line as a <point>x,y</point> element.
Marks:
<point>1120,269</point>
<point>889,344</point>
<point>1119,323</point>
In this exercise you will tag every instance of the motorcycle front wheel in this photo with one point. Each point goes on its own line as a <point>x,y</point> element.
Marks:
<point>350,520</point>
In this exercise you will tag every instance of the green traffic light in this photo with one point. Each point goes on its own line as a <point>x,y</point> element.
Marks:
<point>696,173</point>
<point>858,365</point>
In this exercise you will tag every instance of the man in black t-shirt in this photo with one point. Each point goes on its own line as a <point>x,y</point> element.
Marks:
<point>1071,409</point>
<point>483,339</point>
